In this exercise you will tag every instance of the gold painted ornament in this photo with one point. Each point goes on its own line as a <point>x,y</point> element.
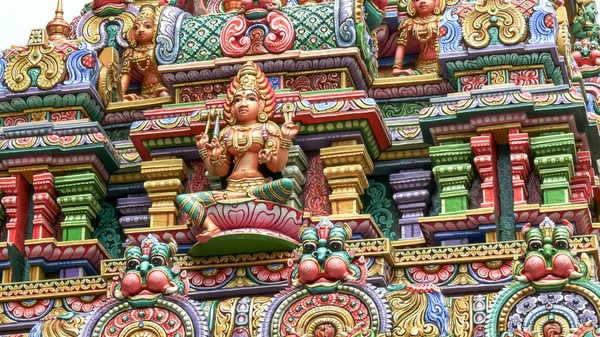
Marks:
<point>500,14</point>
<point>462,318</point>
<point>92,27</point>
<point>40,54</point>
<point>109,81</point>
<point>407,315</point>
<point>63,327</point>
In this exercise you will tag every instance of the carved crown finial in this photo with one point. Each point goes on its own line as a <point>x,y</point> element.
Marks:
<point>147,12</point>
<point>58,28</point>
<point>547,227</point>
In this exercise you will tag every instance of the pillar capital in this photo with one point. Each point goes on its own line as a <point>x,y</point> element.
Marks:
<point>453,172</point>
<point>78,198</point>
<point>555,158</point>
<point>163,183</point>
<point>347,165</point>
<point>164,169</point>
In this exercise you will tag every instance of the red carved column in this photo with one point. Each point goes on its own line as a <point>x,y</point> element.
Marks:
<point>519,157</point>
<point>45,208</point>
<point>16,202</point>
<point>581,183</point>
<point>316,191</point>
<point>484,150</point>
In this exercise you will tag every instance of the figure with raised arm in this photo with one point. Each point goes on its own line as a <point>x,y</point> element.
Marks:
<point>249,140</point>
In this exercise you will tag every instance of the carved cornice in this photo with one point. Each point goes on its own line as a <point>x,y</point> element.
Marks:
<point>52,289</point>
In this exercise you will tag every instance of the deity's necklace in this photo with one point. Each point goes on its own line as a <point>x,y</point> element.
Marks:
<point>427,22</point>
<point>247,141</point>
<point>147,58</point>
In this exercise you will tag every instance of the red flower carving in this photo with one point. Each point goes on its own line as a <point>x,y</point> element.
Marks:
<point>492,270</point>
<point>210,278</point>
<point>271,273</point>
<point>436,274</point>
<point>28,309</point>
<point>85,303</point>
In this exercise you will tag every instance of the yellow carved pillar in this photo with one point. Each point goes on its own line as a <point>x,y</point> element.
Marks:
<point>490,237</point>
<point>163,184</point>
<point>6,275</point>
<point>347,165</point>
<point>36,273</point>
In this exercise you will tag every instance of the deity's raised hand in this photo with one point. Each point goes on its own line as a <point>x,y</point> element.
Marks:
<point>214,149</point>
<point>289,130</point>
<point>201,141</point>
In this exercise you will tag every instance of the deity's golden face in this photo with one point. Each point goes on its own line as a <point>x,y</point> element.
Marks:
<point>143,31</point>
<point>246,106</point>
<point>424,8</point>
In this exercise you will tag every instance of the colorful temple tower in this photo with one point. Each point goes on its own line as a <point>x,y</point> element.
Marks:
<point>302,168</point>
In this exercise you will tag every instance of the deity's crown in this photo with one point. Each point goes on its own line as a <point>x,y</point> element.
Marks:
<point>147,12</point>
<point>148,243</point>
<point>547,227</point>
<point>248,78</point>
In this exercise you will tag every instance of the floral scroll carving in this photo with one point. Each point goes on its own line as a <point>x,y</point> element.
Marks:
<point>494,22</point>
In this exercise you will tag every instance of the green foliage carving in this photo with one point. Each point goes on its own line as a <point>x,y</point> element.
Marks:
<point>402,109</point>
<point>118,134</point>
<point>54,100</point>
<point>108,231</point>
<point>377,201</point>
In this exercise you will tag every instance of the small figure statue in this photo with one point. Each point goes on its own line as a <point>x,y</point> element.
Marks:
<point>422,23</point>
<point>584,24</point>
<point>249,140</point>
<point>586,53</point>
<point>139,62</point>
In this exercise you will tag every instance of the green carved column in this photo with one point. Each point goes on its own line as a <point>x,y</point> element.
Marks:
<point>555,158</point>
<point>453,172</point>
<point>378,202</point>
<point>78,198</point>
<point>297,163</point>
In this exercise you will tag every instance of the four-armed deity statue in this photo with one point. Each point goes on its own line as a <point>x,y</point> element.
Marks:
<point>249,140</point>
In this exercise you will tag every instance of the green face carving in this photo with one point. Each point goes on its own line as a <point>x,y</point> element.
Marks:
<point>548,262</point>
<point>148,275</point>
<point>324,260</point>
<point>590,12</point>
